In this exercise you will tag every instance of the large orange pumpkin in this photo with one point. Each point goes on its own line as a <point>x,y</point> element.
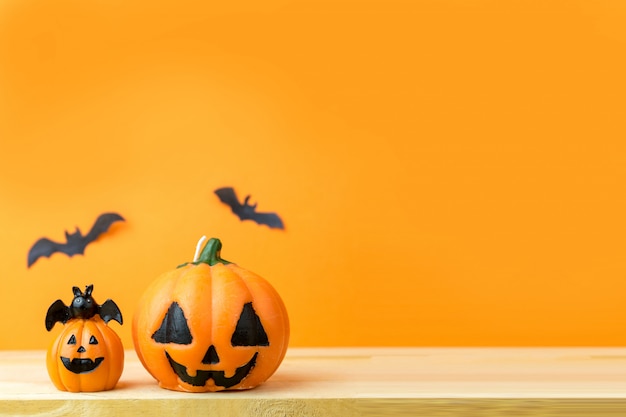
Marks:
<point>210,325</point>
<point>87,355</point>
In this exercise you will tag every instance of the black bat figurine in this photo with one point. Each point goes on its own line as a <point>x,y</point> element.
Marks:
<point>247,211</point>
<point>83,306</point>
<point>75,242</point>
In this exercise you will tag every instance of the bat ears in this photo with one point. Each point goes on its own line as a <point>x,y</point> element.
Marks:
<point>77,292</point>
<point>247,204</point>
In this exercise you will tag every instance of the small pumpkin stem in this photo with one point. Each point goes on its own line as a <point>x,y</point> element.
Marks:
<point>211,253</point>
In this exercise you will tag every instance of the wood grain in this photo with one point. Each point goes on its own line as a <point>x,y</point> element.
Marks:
<point>355,382</point>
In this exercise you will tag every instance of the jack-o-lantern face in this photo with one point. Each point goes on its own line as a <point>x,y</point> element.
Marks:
<point>248,332</point>
<point>86,356</point>
<point>79,365</point>
<point>206,327</point>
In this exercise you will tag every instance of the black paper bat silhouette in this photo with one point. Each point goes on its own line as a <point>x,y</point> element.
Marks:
<point>75,242</point>
<point>83,306</point>
<point>247,211</point>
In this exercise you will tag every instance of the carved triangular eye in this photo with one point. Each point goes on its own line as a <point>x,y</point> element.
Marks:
<point>93,340</point>
<point>72,340</point>
<point>174,328</point>
<point>249,330</point>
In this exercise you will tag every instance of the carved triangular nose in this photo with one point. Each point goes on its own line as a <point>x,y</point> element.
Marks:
<point>82,349</point>
<point>211,358</point>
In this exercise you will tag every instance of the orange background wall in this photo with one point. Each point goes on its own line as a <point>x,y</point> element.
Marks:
<point>449,172</point>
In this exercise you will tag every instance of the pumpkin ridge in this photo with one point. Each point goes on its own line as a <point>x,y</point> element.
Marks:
<point>114,353</point>
<point>104,339</point>
<point>256,283</point>
<point>80,327</point>
<point>243,276</point>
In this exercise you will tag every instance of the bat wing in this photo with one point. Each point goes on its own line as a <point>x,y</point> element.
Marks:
<point>44,247</point>
<point>245,211</point>
<point>58,311</point>
<point>110,311</point>
<point>270,219</point>
<point>228,196</point>
<point>101,225</point>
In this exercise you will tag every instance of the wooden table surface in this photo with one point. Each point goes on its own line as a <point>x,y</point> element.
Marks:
<point>355,382</point>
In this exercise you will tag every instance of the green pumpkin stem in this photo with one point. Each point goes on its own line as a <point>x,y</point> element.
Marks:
<point>210,253</point>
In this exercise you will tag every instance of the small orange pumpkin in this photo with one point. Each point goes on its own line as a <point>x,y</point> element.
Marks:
<point>210,325</point>
<point>87,355</point>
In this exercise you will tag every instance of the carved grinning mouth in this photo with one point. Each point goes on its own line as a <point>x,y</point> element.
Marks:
<point>218,377</point>
<point>81,366</point>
